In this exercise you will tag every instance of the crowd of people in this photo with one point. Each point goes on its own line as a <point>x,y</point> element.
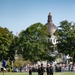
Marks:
<point>48,68</point>
<point>41,70</point>
<point>52,68</point>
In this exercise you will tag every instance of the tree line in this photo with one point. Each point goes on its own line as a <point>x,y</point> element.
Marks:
<point>32,43</point>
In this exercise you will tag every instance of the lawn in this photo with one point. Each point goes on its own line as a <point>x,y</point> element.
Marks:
<point>26,73</point>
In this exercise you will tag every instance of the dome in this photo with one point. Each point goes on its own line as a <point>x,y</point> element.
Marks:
<point>51,27</point>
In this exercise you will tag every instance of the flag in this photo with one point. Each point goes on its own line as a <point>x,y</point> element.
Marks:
<point>3,63</point>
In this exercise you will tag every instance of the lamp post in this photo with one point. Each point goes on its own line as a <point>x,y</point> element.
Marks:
<point>22,51</point>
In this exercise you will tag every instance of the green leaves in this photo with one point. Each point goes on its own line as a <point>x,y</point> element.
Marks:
<point>66,37</point>
<point>5,42</point>
<point>33,39</point>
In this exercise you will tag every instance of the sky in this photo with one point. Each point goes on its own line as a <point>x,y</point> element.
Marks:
<point>17,15</point>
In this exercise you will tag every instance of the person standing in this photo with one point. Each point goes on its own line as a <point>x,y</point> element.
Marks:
<point>39,70</point>
<point>48,70</point>
<point>42,70</point>
<point>30,71</point>
<point>51,69</point>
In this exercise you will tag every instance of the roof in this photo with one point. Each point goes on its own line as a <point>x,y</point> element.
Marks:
<point>51,27</point>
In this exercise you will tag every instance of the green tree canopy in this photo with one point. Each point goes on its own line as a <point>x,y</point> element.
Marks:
<point>14,47</point>
<point>34,43</point>
<point>5,42</point>
<point>66,38</point>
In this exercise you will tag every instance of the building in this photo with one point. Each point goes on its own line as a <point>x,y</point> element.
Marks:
<point>51,28</point>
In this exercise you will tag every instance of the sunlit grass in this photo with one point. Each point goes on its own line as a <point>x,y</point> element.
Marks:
<point>35,73</point>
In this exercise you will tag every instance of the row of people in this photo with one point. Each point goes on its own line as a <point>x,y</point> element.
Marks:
<point>41,70</point>
<point>50,69</point>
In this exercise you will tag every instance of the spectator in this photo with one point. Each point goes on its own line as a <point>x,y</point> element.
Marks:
<point>39,70</point>
<point>30,71</point>
<point>48,70</point>
<point>42,70</point>
<point>51,69</point>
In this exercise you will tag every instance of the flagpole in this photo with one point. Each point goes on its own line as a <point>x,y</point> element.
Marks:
<point>3,70</point>
<point>3,64</point>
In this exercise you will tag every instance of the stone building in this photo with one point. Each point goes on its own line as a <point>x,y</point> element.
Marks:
<point>51,28</point>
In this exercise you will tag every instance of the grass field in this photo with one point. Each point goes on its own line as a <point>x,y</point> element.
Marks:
<point>26,73</point>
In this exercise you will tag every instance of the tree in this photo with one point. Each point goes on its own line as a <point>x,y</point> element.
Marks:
<point>66,38</point>
<point>34,43</point>
<point>5,42</point>
<point>13,48</point>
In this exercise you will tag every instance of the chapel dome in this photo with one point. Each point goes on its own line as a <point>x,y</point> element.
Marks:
<point>51,27</point>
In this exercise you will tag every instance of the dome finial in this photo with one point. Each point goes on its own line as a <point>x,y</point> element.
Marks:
<point>49,13</point>
<point>49,17</point>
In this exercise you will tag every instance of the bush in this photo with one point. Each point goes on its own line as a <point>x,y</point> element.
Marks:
<point>20,62</point>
